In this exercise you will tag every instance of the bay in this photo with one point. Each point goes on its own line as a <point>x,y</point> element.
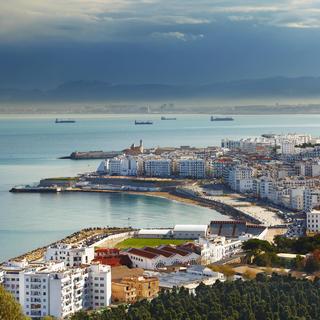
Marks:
<point>30,147</point>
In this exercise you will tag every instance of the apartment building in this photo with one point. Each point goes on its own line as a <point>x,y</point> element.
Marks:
<point>192,168</point>
<point>123,166</point>
<point>311,199</point>
<point>240,178</point>
<point>71,255</point>
<point>55,290</point>
<point>131,289</point>
<point>158,168</point>
<point>313,221</point>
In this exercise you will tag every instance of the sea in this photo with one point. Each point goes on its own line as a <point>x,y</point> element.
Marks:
<point>30,147</point>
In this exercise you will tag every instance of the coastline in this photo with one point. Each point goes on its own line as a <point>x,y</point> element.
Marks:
<point>90,233</point>
<point>224,208</point>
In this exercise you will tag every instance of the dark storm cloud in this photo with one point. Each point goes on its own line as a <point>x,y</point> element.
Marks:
<point>179,41</point>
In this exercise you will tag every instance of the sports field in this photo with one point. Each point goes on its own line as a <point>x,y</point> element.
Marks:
<point>143,242</point>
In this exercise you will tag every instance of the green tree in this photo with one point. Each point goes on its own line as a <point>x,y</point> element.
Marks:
<point>10,309</point>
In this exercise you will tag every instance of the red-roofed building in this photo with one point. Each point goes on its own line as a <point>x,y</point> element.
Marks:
<point>164,256</point>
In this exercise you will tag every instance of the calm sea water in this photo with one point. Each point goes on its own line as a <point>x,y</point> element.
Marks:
<point>29,148</point>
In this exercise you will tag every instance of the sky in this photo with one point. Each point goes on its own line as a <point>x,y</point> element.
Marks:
<point>44,43</point>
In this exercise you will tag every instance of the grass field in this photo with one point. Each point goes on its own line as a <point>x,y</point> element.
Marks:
<point>143,242</point>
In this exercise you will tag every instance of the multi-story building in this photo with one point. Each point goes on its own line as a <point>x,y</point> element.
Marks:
<point>220,165</point>
<point>158,168</point>
<point>55,290</point>
<point>287,147</point>
<point>311,199</point>
<point>240,178</point>
<point>99,285</point>
<point>313,221</point>
<point>131,289</point>
<point>296,199</point>
<point>192,168</point>
<point>123,166</point>
<point>71,255</point>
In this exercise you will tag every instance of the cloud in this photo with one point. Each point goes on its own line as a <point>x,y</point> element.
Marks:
<point>176,35</point>
<point>135,20</point>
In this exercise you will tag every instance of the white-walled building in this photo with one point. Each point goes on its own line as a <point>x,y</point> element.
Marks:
<point>313,221</point>
<point>123,166</point>
<point>240,178</point>
<point>190,231</point>
<point>158,168</point>
<point>296,199</point>
<point>192,168</point>
<point>311,199</point>
<point>71,255</point>
<point>163,256</point>
<point>99,285</point>
<point>287,147</point>
<point>55,290</point>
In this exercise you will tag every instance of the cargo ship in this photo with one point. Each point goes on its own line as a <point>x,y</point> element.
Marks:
<point>65,121</point>
<point>136,122</point>
<point>221,118</point>
<point>168,118</point>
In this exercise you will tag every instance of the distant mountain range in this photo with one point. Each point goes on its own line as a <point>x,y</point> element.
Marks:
<point>83,90</point>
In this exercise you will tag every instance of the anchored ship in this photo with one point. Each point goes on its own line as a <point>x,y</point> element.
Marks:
<point>221,118</point>
<point>137,122</point>
<point>168,118</point>
<point>65,121</point>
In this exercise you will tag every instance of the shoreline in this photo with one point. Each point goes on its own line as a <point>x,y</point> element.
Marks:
<point>85,234</point>
<point>89,233</point>
<point>223,208</point>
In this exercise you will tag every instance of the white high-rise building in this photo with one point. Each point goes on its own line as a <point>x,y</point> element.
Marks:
<point>192,168</point>
<point>52,289</point>
<point>311,199</point>
<point>287,147</point>
<point>71,255</point>
<point>158,168</point>
<point>123,166</point>
<point>240,178</point>
<point>313,221</point>
<point>99,285</point>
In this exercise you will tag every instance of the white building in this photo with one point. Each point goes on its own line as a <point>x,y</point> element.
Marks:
<point>313,221</point>
<point>192,168</point>
<point>262,187</point>
<point>240,178</point>
<point>287,147</point>
<point>163,256</point>
<point>123,166</point>
<point>99,285</point>
<point>154,233</point>
<point>311,199</point>
<point>190,231</point>
<point>52,289</point>
<point>158,168</point>
<point>296,199</point>
<point>71,255</point>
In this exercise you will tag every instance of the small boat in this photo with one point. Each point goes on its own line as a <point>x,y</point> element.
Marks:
<point>168,118</point>
<point>136,122</point>
<point>65,121</point>
<point>221,118</point>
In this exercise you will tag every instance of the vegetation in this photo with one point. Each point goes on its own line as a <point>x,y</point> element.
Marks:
<point>307,145</point>
<point>266,298</point>
<point>143,242</point>
<point>262,253</point>
<point>10,309</point>
<point>302,245</point>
